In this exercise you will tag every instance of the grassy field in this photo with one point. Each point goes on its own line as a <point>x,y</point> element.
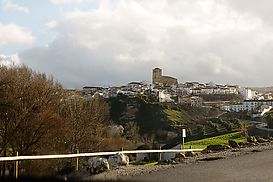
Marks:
<point>222,139</point>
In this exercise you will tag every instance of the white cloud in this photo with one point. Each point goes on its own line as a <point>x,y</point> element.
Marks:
<point>262,10</point>
<point>11,6</point>
<point>52,24</point>
<point>69,1</point>
<point>203,40</point>
<point>14,34</point>
<point>9,60</point>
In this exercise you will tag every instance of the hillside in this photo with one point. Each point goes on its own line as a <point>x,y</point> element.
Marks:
<point>161,120</point>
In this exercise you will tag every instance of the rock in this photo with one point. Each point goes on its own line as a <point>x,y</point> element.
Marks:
<point>233,144</point>
<point>235,150</point>
<point>177,160</point>
<point>251,139</point>
<point>216,147</point>
<point>250,144</point>
<point>228,147</point>
<point>97,165</point>
<point>189,154</point>
<point>118,160</point>
<point>242,144</point>
<point>262,140</point>
<point>180,156</point>
<point>206,151</point>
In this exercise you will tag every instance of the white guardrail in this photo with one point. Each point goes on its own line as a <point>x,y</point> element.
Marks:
<point>18,158</point>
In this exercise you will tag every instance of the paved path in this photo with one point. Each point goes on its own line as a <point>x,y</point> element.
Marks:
<point>257,166</point>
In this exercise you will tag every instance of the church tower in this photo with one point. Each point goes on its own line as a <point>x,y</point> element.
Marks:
<point>157,74</point>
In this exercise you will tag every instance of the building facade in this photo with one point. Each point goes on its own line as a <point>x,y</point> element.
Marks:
<point>248,105</point>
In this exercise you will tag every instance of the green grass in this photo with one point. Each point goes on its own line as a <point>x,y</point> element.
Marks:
<point>222,140</point>
<point>173,115</point>
<point>151,164</point>
<point>176,117</point>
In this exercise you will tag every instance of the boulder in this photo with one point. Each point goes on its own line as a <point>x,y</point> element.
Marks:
<point>228,147</point>
<point>173,162</point>
<point>206,151</point>
<point>189,154</point>
<point>233,144</point>
<point>118,160</point>
<point>250,144</point>
<point>251,139</point>
<point>261,140</point>
<point>97,165</point>
<point>180,156</point>
<point>216,147</point>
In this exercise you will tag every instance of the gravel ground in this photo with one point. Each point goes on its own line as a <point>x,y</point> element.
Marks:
<point>126,172</point>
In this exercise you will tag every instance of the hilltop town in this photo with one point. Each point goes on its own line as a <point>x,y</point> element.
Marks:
<point>167,89</point>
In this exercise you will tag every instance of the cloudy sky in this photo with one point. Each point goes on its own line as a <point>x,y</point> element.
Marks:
<point>112,42</point>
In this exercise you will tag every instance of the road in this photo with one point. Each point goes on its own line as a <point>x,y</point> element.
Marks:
<point>257,166</point>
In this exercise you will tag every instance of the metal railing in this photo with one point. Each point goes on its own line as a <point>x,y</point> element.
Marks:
<point>42,157</point>
<point>18,158</point>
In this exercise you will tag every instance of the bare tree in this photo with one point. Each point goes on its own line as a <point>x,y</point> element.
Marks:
<point>38,116</point>
<point>132,131</point>
<point>87,118</point>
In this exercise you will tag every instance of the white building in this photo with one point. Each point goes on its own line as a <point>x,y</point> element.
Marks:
<point>164,96</point>
<point>196,101</point>
<point>206,89</point>
<point>248,105</point>
<point>249,94</point>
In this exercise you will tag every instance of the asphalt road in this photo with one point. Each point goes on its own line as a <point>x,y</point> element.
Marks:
<point>257,166</point>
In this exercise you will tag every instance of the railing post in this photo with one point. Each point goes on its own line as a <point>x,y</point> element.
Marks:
<point>16,167</point>
<point>77,161</point>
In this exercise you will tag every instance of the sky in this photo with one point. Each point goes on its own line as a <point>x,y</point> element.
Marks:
<point>113,42</point>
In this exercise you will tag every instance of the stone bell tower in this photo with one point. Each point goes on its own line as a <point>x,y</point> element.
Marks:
<point>157,74</point>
